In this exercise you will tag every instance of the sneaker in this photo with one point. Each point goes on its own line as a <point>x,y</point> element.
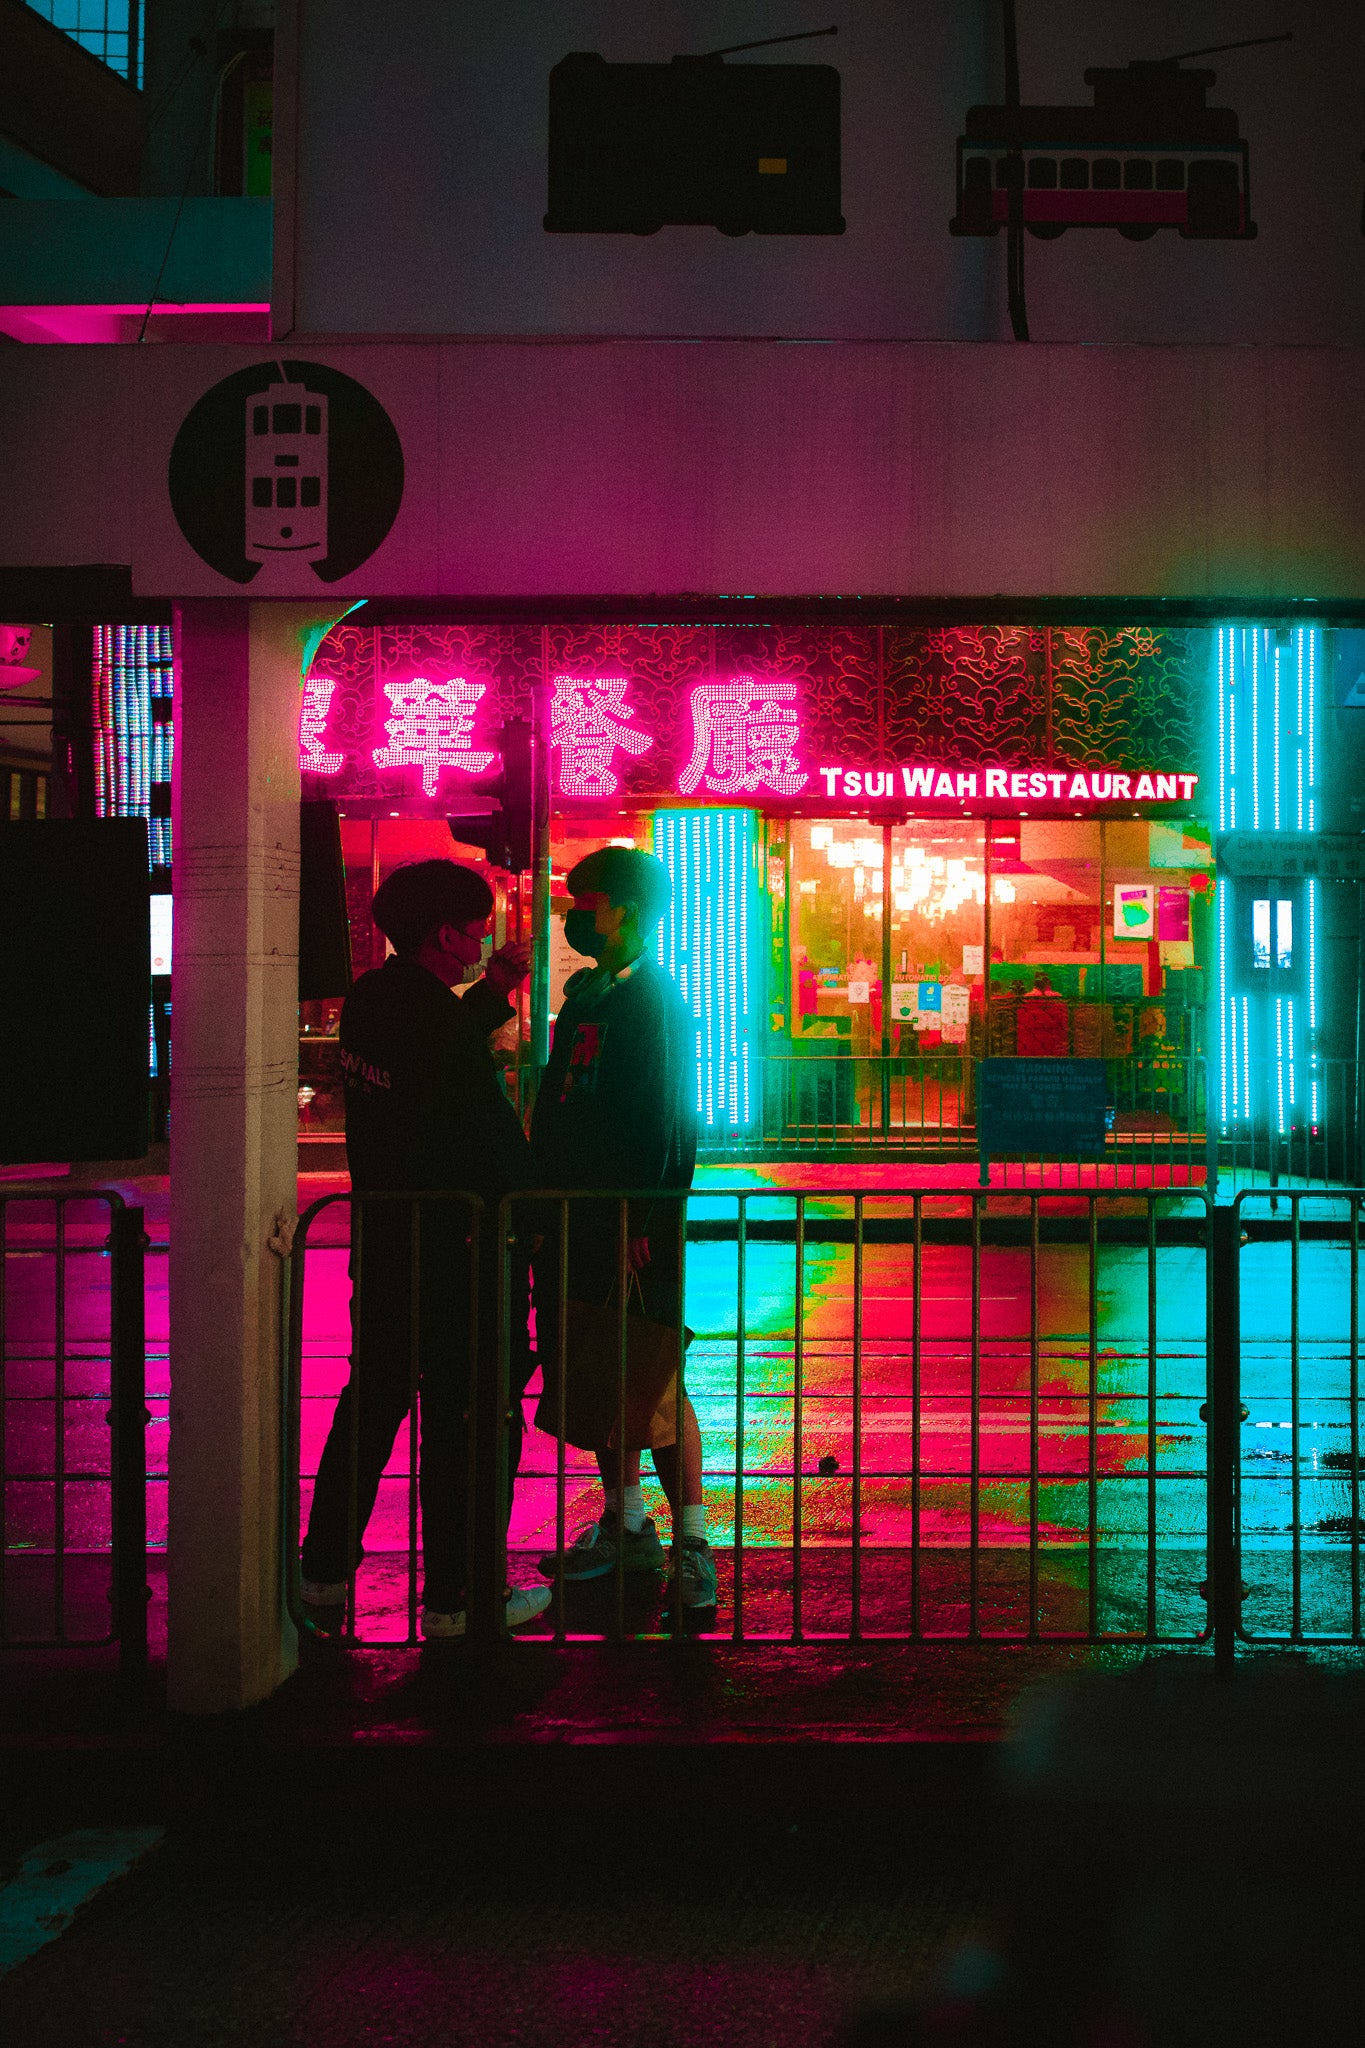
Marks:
<point>696,1569</point>
<point>592,1554</point>
<point>323,1592</point>
<point>524,1603</point>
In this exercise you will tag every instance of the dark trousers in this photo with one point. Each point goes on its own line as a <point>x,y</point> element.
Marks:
<point>456,1380</point>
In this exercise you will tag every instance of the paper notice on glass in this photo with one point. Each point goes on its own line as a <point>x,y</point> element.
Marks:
<point>903,1006</point>
<point>973,960</point>
<point>956,1006</point>
<point>860,991</point>
<point>1134,911</point>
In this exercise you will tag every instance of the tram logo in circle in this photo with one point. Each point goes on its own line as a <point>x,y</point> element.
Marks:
<point>283,463</point>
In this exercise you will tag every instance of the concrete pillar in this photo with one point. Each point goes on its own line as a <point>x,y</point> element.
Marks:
<point>234,1160</point>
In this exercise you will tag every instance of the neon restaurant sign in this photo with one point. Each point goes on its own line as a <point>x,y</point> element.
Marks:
<point>724,738</point>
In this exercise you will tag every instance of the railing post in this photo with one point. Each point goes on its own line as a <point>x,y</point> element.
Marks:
<point>128,1419</point>
<point>489,1418</point>
<point>1224,1431</point>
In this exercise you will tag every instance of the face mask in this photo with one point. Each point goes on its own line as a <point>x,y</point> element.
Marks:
<point>580,929</point>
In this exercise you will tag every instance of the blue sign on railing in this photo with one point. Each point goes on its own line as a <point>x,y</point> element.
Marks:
<point>1051,1106</point>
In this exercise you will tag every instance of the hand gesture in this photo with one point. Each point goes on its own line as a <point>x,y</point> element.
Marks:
<point>508,968</point>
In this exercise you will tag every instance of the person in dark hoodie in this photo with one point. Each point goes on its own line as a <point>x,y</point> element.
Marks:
<point>425,1111</point>
<point>616,1109</point>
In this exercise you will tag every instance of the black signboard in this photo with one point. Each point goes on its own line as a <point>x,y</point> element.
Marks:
<point>1055,1107</point>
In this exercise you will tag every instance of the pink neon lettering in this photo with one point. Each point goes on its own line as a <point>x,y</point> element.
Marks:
<point>853,783</point>
<point>313,758</point>
<point>874,785</point>
<point>743,738</point>
<point>1165,788</point>
<point>1037,784</point>
<point>944,785</point>
<point>431,728</point>
<point>966,785</point>
<point>1144,793</point>
<point>1079,790</point>
<point>1187,783</point>
<point>1018,783</point>
<point>995,782</point>
<point>589,722</point>
<point>1121,788</point>
<point>1056,782</point>
<point>918,781</point>
<point>1100,787</point>
<point>831,776</point>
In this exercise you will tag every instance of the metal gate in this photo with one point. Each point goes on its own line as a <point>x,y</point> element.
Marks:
<point>926,1415</point>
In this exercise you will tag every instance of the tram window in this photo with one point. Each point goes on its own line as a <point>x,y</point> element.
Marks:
<point>310,491</point>
<point>260,490</point>
<point>1002,171</point>
<point>976,172</point>
<point>260,419</point>
<point>312,419</point>
<point>288,419</point>
<point>1170,175</point>
<point>1105,174</point>
<point>1137,175</point>
<point>1075,174</point>
<point>1042,172</point>
<point>286,492</point>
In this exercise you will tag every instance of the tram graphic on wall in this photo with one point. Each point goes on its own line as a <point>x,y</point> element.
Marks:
<point>1148,153</point>
<point>286,472</point>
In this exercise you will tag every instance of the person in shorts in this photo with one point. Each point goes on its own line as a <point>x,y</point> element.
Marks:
<point>616,1109</point>
<point>425,1111</point>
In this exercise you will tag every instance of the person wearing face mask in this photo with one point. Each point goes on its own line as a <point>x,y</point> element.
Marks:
<point>616,1109</point>
<point>424,1111</point>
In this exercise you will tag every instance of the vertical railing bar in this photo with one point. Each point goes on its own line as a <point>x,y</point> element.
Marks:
<point>129,1417</point>
<point>619,1569</point>
<point>357,1209</point>
<point>1296,1505</point>
<point>679,1403</point>
<point>974,1534</point>
<point>4,1414</point>
<point>798,1380</point>
<point>486,1541</point>
<point>1034,1421</point>
<point>59,1423</point>
<point>856,1588</point>
<point>1092,1416</point>
<point>1151,1416</point>
<point>741,1347</point>
<point>414,1420</point>
<point>1355,1418</point>
<point>916,1403</point>
<point>296,1281</point>
<point>561,1441</point>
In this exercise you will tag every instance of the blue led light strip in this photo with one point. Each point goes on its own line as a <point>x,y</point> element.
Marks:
<point>132,666</point>
<point>1257,756</point>
<point>704,942</point>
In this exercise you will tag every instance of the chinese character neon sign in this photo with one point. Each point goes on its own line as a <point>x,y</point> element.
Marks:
<point>938,784</point>
<point>744,735</point>
<point>432,727</point>
<point>313,756</point>
<point>589,722</point>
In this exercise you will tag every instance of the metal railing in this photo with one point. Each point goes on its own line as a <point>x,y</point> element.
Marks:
<point>1288,1272</point>
<point>73,1421</point>
<point>837,1104</point>
<point>925,1416</point>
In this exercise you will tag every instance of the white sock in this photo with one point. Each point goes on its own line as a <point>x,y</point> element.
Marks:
<point>694,1524</point>
<point>632,1514</point>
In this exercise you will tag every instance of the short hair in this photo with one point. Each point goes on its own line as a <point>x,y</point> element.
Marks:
<point>624,874</point>
<point>411,902</point>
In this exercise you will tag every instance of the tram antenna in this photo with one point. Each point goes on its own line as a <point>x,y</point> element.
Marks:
<point>801,36</point>
<point>1217,49</point>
